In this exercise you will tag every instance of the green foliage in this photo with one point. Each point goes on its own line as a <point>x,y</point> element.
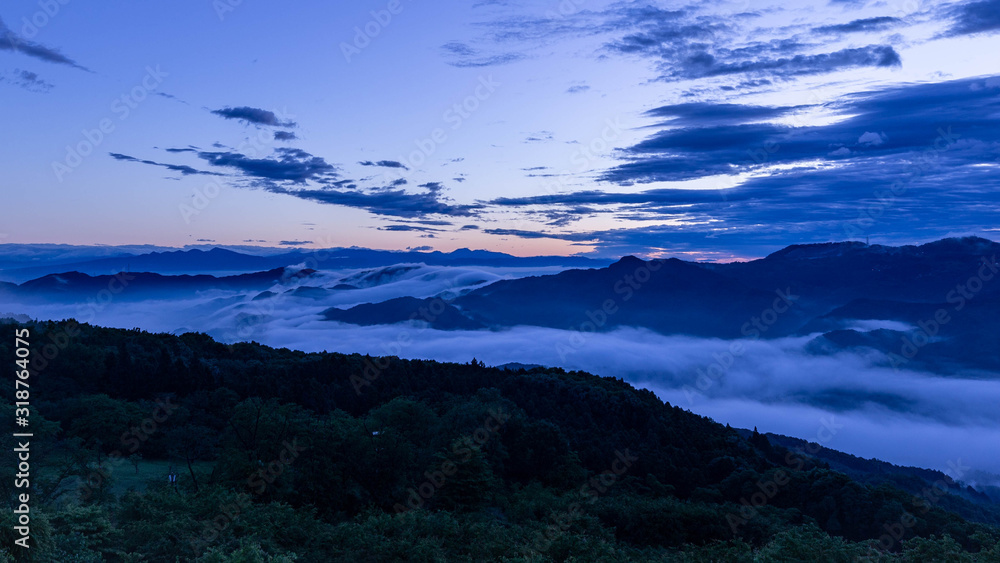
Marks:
<point>282,456</point>
<point>247,553</point>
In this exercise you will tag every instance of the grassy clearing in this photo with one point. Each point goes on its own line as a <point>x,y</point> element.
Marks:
<point>123,476</point>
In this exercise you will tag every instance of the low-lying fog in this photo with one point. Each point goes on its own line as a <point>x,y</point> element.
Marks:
<point>846,401</point>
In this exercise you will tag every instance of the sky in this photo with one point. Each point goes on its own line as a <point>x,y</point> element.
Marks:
<point>712,130</point>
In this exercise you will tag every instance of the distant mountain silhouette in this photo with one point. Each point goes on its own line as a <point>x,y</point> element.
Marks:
<point>834,288</point>
<point>405,309</point>
<point>854,295</point>
<point>222,260</point>
<point>668,296</point>
<point>835,273</point>
<point>75,286</point>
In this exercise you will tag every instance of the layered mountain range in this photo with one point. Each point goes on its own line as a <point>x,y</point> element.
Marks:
<point>940,299</point>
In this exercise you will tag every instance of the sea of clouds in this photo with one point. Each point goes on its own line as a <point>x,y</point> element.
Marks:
<point>847,401</point>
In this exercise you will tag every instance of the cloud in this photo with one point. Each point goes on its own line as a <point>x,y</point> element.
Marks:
<point>287,165</point>
<point>253,115</point>
<point>464,56</point>
<point>540,136</point>
<point>384,164</point>
<point>705,114</point>
<point>170,97</point>
<point>184,170</point>
<point>27,80</point>
<point>862,25</point>
<point>699,140</point>
<point>904,417</point>
<point>689,43</point>
<point>974,17</point>
<point>871,139</point>
<point>291,165</point>
<point>774,183</point>
<point>407,228</point>
<point>577,89</point>
<point>295,242</point>
<point>431,222</point>
<point>521,233</point>
<point>704,64</point>
<point>285,136</point>
<point>386,201</point>
<point>10,41</point>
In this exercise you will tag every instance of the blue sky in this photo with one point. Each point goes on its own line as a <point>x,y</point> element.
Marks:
<point>713,130</point>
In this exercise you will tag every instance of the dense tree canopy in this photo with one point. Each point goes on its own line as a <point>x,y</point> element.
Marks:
<point>287,456</point>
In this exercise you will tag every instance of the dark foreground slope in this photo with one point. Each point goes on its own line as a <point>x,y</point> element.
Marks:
<point>329,457</point>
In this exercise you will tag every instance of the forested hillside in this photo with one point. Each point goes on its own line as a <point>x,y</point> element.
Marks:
<point>282,455</point>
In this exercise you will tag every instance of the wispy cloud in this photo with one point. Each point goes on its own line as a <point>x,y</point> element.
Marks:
<point>862,25</point>
<point>386,201</point>
<point>27,80</point>
<point>292,165</point>
<point>255,116</point>
<point>464,56</point>
<point>975,17</point>
<point>183,169</point>
<point>940,142</point>
<point>10,41</point>
<point>384,164</point>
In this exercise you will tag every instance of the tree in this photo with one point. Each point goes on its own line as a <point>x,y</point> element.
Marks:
<point>134,459</point>
<point>471,485</point>
<point>191,443</point>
